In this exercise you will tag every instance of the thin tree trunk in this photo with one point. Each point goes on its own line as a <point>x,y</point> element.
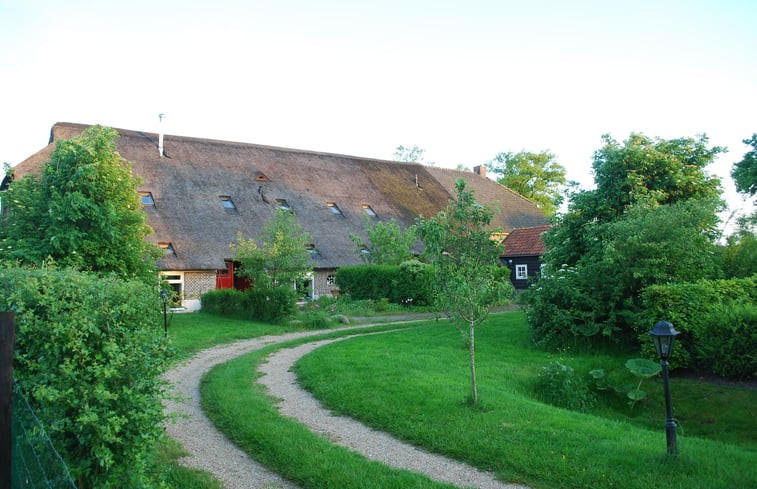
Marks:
<point>472,347</point>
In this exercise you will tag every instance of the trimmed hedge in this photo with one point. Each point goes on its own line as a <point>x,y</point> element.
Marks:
<point>268,305</point>
<point>692,308</point>
<point>408,283</point>
<point>726,344</point>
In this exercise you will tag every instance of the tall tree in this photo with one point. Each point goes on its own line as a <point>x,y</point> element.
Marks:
<point>642,170</point>
<point>282,259</point>
<point>536,176</point>
<point>388,243</point>
<point>650,220</point>
<point>83,211</point>
<point>744,172</point>
<point>458,242</point>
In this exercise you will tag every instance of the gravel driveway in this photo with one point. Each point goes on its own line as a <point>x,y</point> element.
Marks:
<point>211,451</point>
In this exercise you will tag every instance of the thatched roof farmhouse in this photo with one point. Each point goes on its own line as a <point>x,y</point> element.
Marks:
<point>199,193</point>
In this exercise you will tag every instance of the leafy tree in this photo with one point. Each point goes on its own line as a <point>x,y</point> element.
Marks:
<point>536,176</point>
<point>739,255</point>
<point>458,242</point>
<point>387,243</point>
<point>281,260</point>
<point>83,211</point>
<point>411,154</point>
<point>641,171</point>
<point>652,219</point>
<point>744,172</point>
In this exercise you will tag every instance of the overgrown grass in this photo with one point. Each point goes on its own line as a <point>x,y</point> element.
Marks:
<point>414,383</point>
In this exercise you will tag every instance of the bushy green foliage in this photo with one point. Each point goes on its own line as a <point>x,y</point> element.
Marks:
<point>651,220</point>
<point>410,283</point>
<point>83,212</point>
<point>388,243</point>
<point>281,259</point>
<point>89,354</point>
<point>558,311</point>
<point>738,257</point>
<point>366,281</point>
<point>536,176</point>
<point>559,385</point>
<point>413,284</point>
<point>726,343</point>
<point>744,172</point>
<point>689,306</point>
<point>269,305</point>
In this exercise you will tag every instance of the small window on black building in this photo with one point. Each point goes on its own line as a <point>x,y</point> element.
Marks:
<point>146,198</point>
<point>335,209</point>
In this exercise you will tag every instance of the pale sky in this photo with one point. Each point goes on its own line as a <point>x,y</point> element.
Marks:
<point>463,80</point>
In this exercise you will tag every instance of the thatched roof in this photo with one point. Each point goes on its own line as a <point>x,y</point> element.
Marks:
<point>188,182</point>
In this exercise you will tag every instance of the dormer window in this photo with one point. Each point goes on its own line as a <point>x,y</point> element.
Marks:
<point>313,252</point>
<point>283,205</point>
<point>369,211</point>
<point>168,249</point>
<point>146,198</point>
<point>335,209</point>
<point>228,204</point>
<point>364,250</point>
<point>261,177</point>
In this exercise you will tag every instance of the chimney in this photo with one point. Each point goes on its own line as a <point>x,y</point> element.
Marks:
<point>160,135</point>
<point>480,170</point>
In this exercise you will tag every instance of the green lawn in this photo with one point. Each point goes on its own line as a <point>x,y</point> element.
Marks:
<point>197,331</point>
<point>414,383</point>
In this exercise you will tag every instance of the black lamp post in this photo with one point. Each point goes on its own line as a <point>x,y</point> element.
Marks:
<point>164,297</point>
<point>664,335</point>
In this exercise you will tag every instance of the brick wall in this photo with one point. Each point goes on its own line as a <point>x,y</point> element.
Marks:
<point>323,282</point>
<point>197,283</point>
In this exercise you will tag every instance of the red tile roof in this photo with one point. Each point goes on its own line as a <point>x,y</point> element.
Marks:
<point>525,242</point>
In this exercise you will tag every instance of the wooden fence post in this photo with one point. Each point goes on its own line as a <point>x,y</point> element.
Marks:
<point>7,342</point>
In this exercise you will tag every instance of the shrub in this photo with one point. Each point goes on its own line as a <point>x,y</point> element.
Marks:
<point>223,302</point>
<point>689,306</point>
<point>89,354</point>
<point>366,281</point>
<point>559,385</point>
<point>411,282</point>
<point>414,281</point>
<point>726,342</point>
<point>269,305</point>
<point>312,320</point>
<point>558,313</point>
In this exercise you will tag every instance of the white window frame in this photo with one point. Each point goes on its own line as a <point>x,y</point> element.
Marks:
<point>177,278</point>
<point>521,272</point>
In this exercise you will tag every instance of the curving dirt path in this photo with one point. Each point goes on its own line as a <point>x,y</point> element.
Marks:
<point>209,450</point>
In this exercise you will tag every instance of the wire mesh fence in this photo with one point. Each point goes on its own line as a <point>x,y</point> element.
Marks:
<point>35,464</point>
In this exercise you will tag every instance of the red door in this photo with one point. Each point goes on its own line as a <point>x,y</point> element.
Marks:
<point>225,277</point>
